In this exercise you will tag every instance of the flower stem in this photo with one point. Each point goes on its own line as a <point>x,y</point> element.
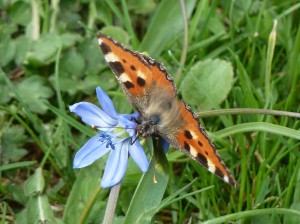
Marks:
<point>111,204</point>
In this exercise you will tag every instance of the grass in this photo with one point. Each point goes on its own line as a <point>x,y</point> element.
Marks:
<point>50,59</point>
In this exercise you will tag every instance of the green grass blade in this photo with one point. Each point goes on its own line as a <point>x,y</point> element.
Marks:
<point>166,23</point>
<point>252,213</point>
<point>259,126</point>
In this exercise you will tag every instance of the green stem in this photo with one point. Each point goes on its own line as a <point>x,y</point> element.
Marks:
<point>111,204</point>
<point>185,39</point>
<point>251,213</point>
<point>270,54</point>
<point>35,20</point>
<point>54,14</point>
<point>238,111</point>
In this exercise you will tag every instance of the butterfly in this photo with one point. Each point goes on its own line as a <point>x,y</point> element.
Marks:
<point>152,92</point>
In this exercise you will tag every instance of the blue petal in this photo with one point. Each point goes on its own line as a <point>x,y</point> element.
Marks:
<point>130,116</point>
<point>93,115</point>
<point>138,155</point>
<point>165,145</point>
<point>112,166</point>
<point>122,164</point>
<point>127,124</point>
<point>106,103</point>
<point>91,151</point>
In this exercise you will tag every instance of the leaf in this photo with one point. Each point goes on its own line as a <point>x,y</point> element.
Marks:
<point>34,184</point>
<point>23,46</point>
<point>69,39</point>
<point>5,95</point>
<point>72,63</point>
<point>89,50</point>
<point>43,51</point>
<point>35,93</point>
<point>21,217</point>
<point>117,33</point>
<point>39,210</point>
<point>11,142</point>
<point>166,23</point>
<point>207,84</point>
<point>20,12</point>
<point>7,49</point>
<point>148,194</point>
<point>141,7</point>
<point>84,191</point>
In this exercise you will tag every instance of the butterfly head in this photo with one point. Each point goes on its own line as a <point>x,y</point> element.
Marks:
<point>146,128</point>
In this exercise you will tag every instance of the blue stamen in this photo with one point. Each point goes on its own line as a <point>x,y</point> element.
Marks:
<point>104,136</point>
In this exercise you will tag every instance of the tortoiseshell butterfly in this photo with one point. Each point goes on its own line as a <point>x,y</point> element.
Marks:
<point>152,92</point>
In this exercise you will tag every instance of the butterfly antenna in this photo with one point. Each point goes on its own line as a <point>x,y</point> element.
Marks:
<point>132,142</point>
<point>98,127</point>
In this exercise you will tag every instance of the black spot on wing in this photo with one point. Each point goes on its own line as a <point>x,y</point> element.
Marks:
<point>202,159</point>
<point>219,173</point>
<point>128,84</point>
<point>188,134</point>
<point>117,67</point>
<point>132,67</point>
<point>140,81</point>
<point>105,48</point>
<point>200,143</point>
<point>187,146</point>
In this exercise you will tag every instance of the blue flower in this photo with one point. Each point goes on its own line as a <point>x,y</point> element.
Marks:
<point>118,131</point>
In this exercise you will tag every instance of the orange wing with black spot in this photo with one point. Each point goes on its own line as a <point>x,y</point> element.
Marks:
<point>135,72</point>
<point>193,139</point>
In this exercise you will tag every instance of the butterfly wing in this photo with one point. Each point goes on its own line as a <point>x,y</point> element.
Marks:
<point>194,142</point>
<point>149,87</point>
<point>135,72</point>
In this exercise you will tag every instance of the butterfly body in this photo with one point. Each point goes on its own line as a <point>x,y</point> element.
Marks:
<point>152,92</point>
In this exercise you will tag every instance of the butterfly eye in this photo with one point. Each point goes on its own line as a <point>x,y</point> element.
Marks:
<point>154,119</point>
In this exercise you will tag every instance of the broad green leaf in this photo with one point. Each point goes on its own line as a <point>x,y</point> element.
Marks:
<point>69,39</point>
<point>90,51</point>
<point>141,7</point>
<point>84,201</point>
<point>5,95</point>
<point>166,23</point>
<point>44,50</point>
<point>117,33</point>
<point>7,49</point>
<point>72,63</point>
<point>35,184</point>
<point>11,142</point>
<point>20,12</point>
<point>207,84</point>
<point>21,217</point>
<point>39,210</point>
<point>35,93</point>
<point>23,46</point>
<point>149,194</point>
